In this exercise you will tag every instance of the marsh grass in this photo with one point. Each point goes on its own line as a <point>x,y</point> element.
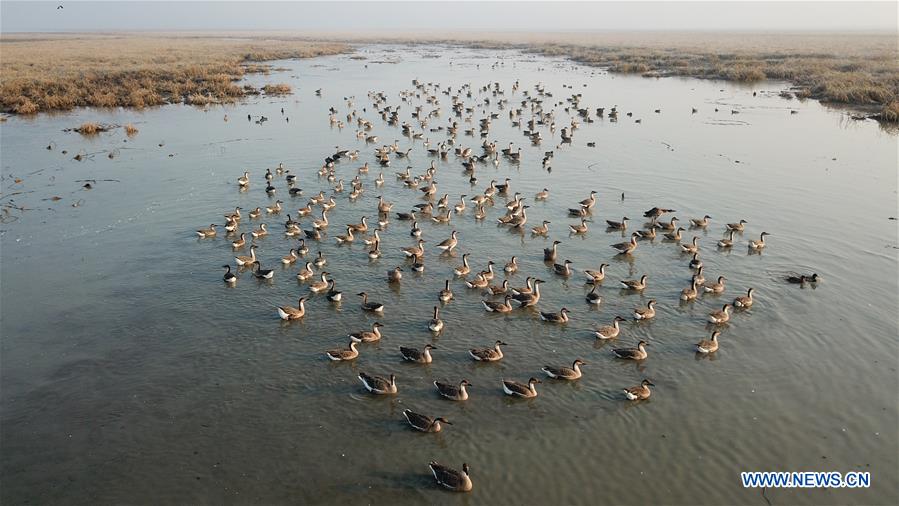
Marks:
<point>89,128</point>
<point>277,89</point>
<point>131,130</point>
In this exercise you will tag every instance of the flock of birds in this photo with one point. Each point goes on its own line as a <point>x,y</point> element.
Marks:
<point>467,103</point>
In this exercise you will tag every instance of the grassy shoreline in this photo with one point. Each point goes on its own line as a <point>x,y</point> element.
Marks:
<point>50,72</point>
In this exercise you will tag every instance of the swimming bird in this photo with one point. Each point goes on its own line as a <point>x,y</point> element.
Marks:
<point>717,287</point>
<point>635,284</point>
<point>737,227</point>
<point>293,313</point>
<point>343,354</point>
<point>488,354</point>
<point>802,279</point>
<point>709,345</point>
<point>638,353</point>
<point>447,245</point>
<point>435,324</point>
<point>744,301</point>
<point>422,356</point>
<point>656,212</point>
<point>618,225</point>
<point>395,275</point>
<point>261,273</point>
<point>255,213</point>
<point>590,201</point>
<point>625,248</point>
<point>720,316</point>
<point>593,297</point>
<point>373,307</point>
<point>464,268</point>
<point>729,242</point>
<point>549,254</point>
<point>579,229</point>
<point>695,262</point>
<point>511,266</point>
<point>275,209</point>
<point>457,481</point>
<point>596,276</point>
<point>541,229</point>
<point>446,294</point>
<point>424,423</point>
<point>229,277</point>
<point>378,385</point>
<point>244,181</point>
<point>306,272</point>
<point>674,236</point>
<point>415,251</point>
<point>565,373</point>
<point>532,298</point>
<point>320,260</point>
<point>347,238</point>
<point>333,294</point>
<point>700,223</point>
<point>563,269</point>
<point>498,307</point>
<point>321,285</point>
<point>646,313</point>
<point>609,331</point>
<point>542,195</point>
<point>207,232</point>
<point>639,393</point>
<point>693,247</point>
<point>691,292</point>
<point>240,242</point>
<point>757,245</point>
<point>453,392</point>
<point>516,389</point>
<point>260,232</point>
<point>290,258</point>
<point>560,317</point>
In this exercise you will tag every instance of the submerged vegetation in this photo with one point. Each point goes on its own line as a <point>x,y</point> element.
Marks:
<point>60,72</point>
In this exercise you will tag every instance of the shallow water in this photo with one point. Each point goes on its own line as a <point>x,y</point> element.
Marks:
<point>132,374</point>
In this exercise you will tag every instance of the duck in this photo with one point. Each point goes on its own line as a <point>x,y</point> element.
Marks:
<point>207,232</point>
<point>709,345</point>
<point>516,389</point>
<point>542,229</point>
<point>549,254</point>
<point>579,229</point>
<point>395,275</point>
<point>321,285</point>
<point>465,268</point>
<point>301,248</point>
<point>229,276</point>
<point>638,353</point>
<point>262,231</point>
<point>634,284</point>
<point>560,317</point>
<point>511,266</point>
<point>306,272</point>
<point>737,227</point>
<point>596,276</point>
<point>498,307</point>
<point>646,313</point>
<point>322,223</point>
<point>744,301</point>
<point>729,242</point>
<point>593,297</point>
<point>447,477</point>
<point>693,247</point>
<point>695,262</point>
<point>410,216</point>
<point>453,392</point>
<point>757,245</point>
<point>701,223</point>
<point>290,258</point>
<point>368,336</point>
<point>372,307</point>
<point>563,269</point>
<point>720,316</point>
<point>625,248</point>
<point>640,392</point>
<point>565,373</point>
<point>422,356</point>
<point>377,384</point>
<point>261,273</point>
<point>424,423</point>
<point>460,207</point>
<point>609,331</point>
<point>674,236</point>
<point>717,287</point>
<point>343,354</point>
<point>333,294</point>
<point>802,279</point>
<point>691,292</point>
<point>435,324</point>
<point>618,225</point>
<point>488,354</point>
<point>293,313</point>
<point>447,245</point>
<point>700,277</point>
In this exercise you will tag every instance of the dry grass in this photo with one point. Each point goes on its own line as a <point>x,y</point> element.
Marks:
<point>91,128</point>
<point>131,130</point>
<point>60,72</point>
<point>277,89</point>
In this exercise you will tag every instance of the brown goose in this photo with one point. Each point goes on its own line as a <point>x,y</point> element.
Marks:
<point>435,324</point>
<point>415,251</point>
<point>446,294</point>
<point>516,389</point>
<point>618,225</point>
<point>488,354</point>
<point>563,269</point>
<point>560,317</point>
<point>670,226</point>
<point>207,232</point>
<point>709,345</point>
<point>729,242</point>
<point>634,284</point>
<point>720,316</point>
<point>464,269</point>
<point>532,298</point>
<point>343,354</point>
<point>229,276</point>
<point>744,301</point>
<point>609,331</point>
<point>549,254</point>
<point>373,307</point>
<point>422,356</point>
<point>293,313</point>
<point>596,276</point>
<point>453,392</point>
<point>541,229</point>
<point>395,275</point>
<point>447,245</point>
<point>757,245</point>
<point>646,313</point>
<point>691,292</point>
<point>240,242</point>
<point>367,336</point>
<point>565,373</point>
<point>512,266</point>
<point>638,353</point>
<point>716,287</point>
<point>700,223</point>
<point>593,297</point>
<point>737,227</point>
<point>498,307</point>
<point>580,228</point>
<point>625,248</point>
<point>457,481</point>
<point>378,385</point>
<point>424,423</point>
<point>676,235</point>
<point>693,247</point>
<point>640,392</point>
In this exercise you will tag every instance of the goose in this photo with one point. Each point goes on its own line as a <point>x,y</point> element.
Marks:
<point>516,389</point>
<point>374,307</point>
<point>488,354</point>
<point>717,287</point>
<point>244,180</point>
<point>695,262</point>
<point>634,284</point>
<point>580,212</point>
<point>565,373</point>
<point>361,227</point>
<point>320,260</point>
<point>649,233</point>
<point>377,384</point>
<point>648,313</point>
<point>479,282</point>
<point>638,353</point>
<point>367,336</point>
<point>383,205</point>
<point>443,203</point>
<point>290,258</point>
<point>609,331</point>
<point>447,245</point>
<point>530,299</point>
<point>563,269</point>
<point>700,278</point>
<point>542,195</point>
<point>541,229</point>
<point>375,238</point>
<point>268,175</point>
<point>301,248</point>
<point>674,236</point>
<point>693,247</point>
<point>231,225</point>
<point>422,356</point>
<point>700,223</point>
<point>295,192</point>
<point>333,294</point>
<point>720,316</point>
<point>293,313</point>
<point>744,301</point>
<point>691,292</point>
<point>625,248</point>
<point>671,225</point>
<point>406,216</point>
<point>618,225</point>
<point>498,307</point>
<point>593,297</point>
<point>488,274</point>
<point>415,251</point>
<point>375,251</point>
<point>240,242</point>
<point>207,232</point>
<point>560,317</point>
<point>261,273</point>
<point>322,223</point>
<point>424,423</point>
<point>639,393</point>
<point>395,275</point>
<point>275,209</point>
<point>596,276</point>
<point>480,212</point>
<point>306,272</point>
<point>269,189</point>
<point>465,268</point>
<point>343,354</point>
<point>305,211</point>
<point>729,242</point>
<point>260,232</point>
<point>229,277</point>
<point>503,188</point>
<point>461,205</point>
<point>255,213</point>
<point>757,245</point>
<point>549,254</point>
<point>447,477</point>
<point>709,345</point>
<point>656,212</point>
<point>453,392</point>
<point>321,285</point>
<point>737,227</point>
<point>446,294</point>
<point>435,324</point>
<point>511,266</point>
<point>580,228</point>
<point>380,179</point>
<point>802,279</point>
<point>291,222</point>
<point>590,201</point>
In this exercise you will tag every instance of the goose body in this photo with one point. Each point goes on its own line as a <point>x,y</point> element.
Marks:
<point>343,354</point>
<point>207,232</point>
<point>435,324</point>
<point>260,232</point>
<point>560,317</point>
<point>446,477</point>
<point>720,316</point>
<point>729,242</point>
<point>448,244</point>
<point>446,294</point>
<point>261,273</point>
<point>691,292</point>
<point>563,269</point>
<point>717,287</point>
<point>378,385</point>
<point>596,276</point>
<point>498,307</point>
<point>453,392</point>
<point>744,301</point>
<point>625,248</point>
<point>701,223</point>
<point>640,392</point>
<point>293,313</point>
<point>373,307</point>
<point>618,225</point>
<point>593,297</point>
<point>516,389</point>
<point>693,247</point>
<point>565,373</point>
<point>646,313</point>
<point>737,227</point>
<point>487,354</point>
<point>757,245</point>
<point>609,331</point>
<point>367,336</point>
<point>549,254</point>
<point>424,423</point>
<point>709,345</point>
<point>638,353</point>
<point>422,356</point>
<point>634,284</point>
<point>321,285</point>
<point>229,276</point>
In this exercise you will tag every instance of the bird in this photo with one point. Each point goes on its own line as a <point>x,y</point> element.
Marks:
<point>333,294</point>
<point>560,317</point>
<point>422,356</point>
<point>593,297</point>
<point>618,225</point>
<point>435,324</point>
<point>207,232</point>
<point>709,345</point>
<point>693,247</point>
<point>635,284</point>
<point>446,294</point>
<point>229,277</point>
<point>700,223</point>
<point>625,248</point>
<point>343,354</point>
<point>247,260</point>
<point>720,316</point>
<point>565,373</point>
<point>261,273</point>
<point>717,287</point>
<point>737,227</point>
<point>448,244</point>
<point>424,423</point>
<point>453,392</point>
<point>802,279</point>
<point>691,292</point>
<point>378,385</point>
<point>609,331</point>
<point>488,354</point>
<point>638,353</point>
<point>395,275</point>
<point>757,245</point>
<point>373,307</point>
<point>639,393</point>
<point>729,242</point>
<point>368,336</point>
<point>646,313</point>
<point>498,307</point>
<point>596,276</point>
<point>549,254</point>
<point>563,269</point>
<point>516,389</point>
<point>457,481</point>
<point>293,313</point>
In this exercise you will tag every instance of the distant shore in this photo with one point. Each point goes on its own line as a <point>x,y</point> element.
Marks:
<point>50,72</point>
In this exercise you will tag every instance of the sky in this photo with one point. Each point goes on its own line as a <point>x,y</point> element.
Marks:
<point>126,15</point>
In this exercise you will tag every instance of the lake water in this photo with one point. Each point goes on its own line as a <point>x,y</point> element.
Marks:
<point>132,374</point>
